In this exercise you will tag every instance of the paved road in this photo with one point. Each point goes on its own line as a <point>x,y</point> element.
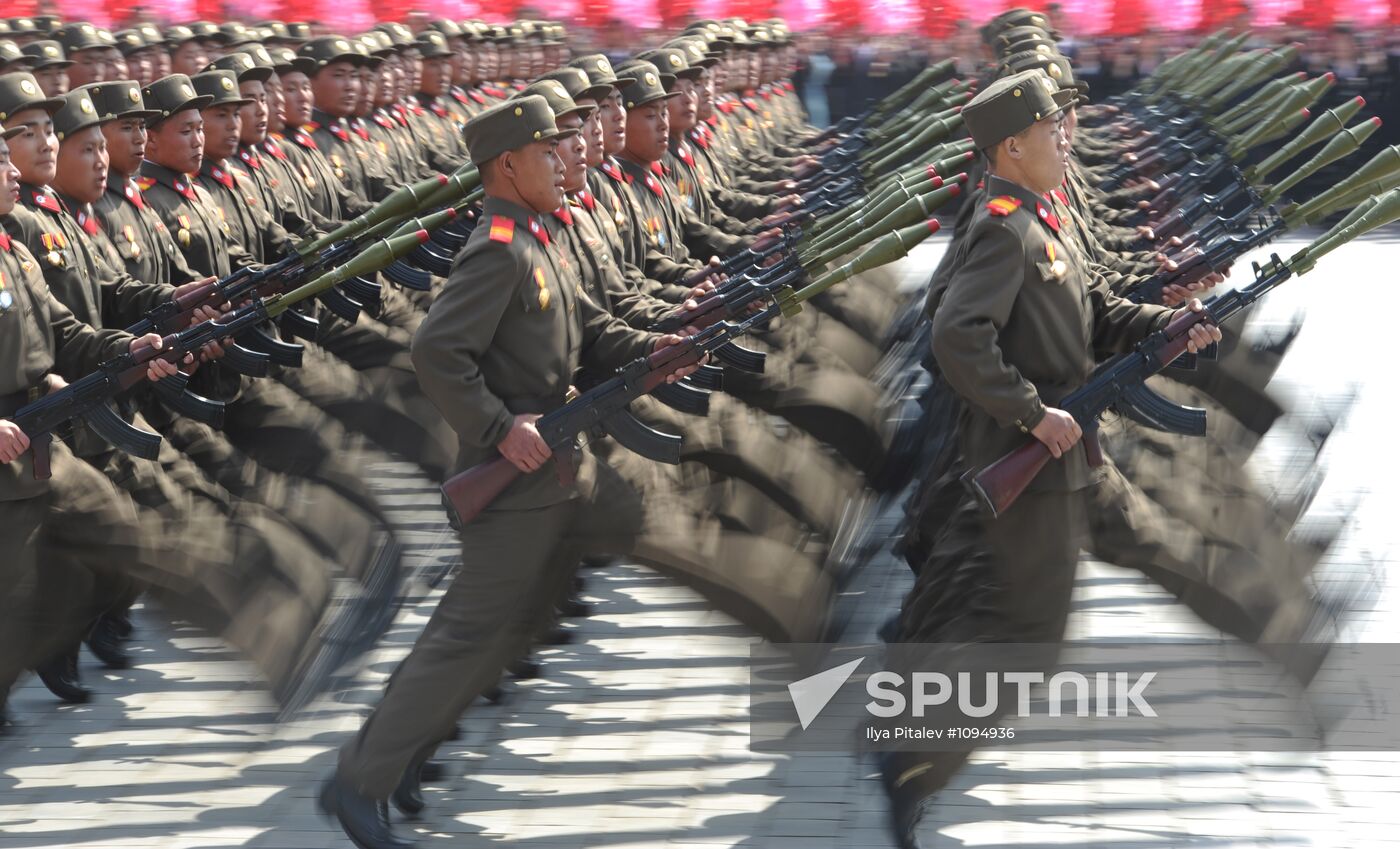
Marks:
<point>637,734</point>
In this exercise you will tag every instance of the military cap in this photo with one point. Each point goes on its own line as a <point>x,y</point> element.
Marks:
<point>671,60</point>
<point>47,23</point>
<point>80,36</point>
<point>22,26</point>
<point>647,86</point>
<point>449,29</point>
<point>151,34</point>
<point>209,31</point>
<point>261,58</point>
<point>600,70</point>
<point>1018,17</point>
<point>402,36</point>
<point>713,28</point>
<point>5,27</point>
<point>20,91</point>
<point>237,33</point>
<point>1012,104</point>
<point>119,99</point>
<point>243,66</point>
<point>221,87</point>
<point>379,43</point>
<point>1006,40</point>
<point>76,114</point>
<point>528,29</point>
<point>299,31</point>
<point>285,61</point>
<point>367,50</point>
<point>577,83</point>
<point>105,36</point>
<point>10,133</point>
<point>178,35</point>
<point>171,95</point>
<point>329,49</point>
<point>510,126</point>
<point>738,39</point>
<point>433,44</point>
<point>635,68</point>
<point>11,54</point>
<point>274,31</point>
<point>45,54</point>
<point>759,36</point>
<point>474,31</point>
<point>696,53</point>
<point>553,33</point>
<point>503,34</point>
<point>558,98</point>
<point>1055,65</point>
<point>131,41</point>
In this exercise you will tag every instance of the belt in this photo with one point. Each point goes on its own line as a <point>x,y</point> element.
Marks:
<point>38,445</point>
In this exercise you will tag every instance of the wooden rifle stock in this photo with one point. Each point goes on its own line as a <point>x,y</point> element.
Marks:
<point>471,491</point>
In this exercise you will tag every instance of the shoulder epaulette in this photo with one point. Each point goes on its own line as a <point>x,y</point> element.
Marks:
<point>502,229</point>
<point>1004,205</point>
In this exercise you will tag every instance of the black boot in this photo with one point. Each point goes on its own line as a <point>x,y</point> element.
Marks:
<point>408,796</point>
<point>364,820</point>
<point>121,621</point>
<point>574,607</point>
<point>524,669</point>
<point>105,643</point>
<point>557,636</point>
<point>60,675</point>
<point>906,807</point>
<point>7,725</point>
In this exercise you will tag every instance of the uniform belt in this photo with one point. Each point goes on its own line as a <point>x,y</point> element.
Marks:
<point>38,445</point>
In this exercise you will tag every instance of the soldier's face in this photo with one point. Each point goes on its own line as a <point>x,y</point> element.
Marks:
<point>9,180</point>
<point>89,66</point>
<point>386,89</point>
<point>437,76</point>
<point>537,173</point>
<point>222,129</point>
<point>276,104</point>
<point>53,82</point>
<point>252,118</point>
<point>573,152</point>
<point>592,132</point>
<point>336,89</point>
<point>126,144</point>
<point>161,65</point>
<point>34,151</point>
<point>413,69</point>
<point>648,129</point>
<point>141,67</point>
<point>682,110</point>
<point>613,116</point>
<point>705,96</point>
<point>213,50</point>
<point>189,58</point>
<point>178,142</point>
<point>82,165</point>
<point>1043,155</point>
<point>116,66</point>
<point>369,83</point>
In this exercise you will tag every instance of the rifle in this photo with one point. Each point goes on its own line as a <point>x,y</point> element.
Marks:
<point>1120,382</point>
<point>605,405</point>
<point>87,398</point>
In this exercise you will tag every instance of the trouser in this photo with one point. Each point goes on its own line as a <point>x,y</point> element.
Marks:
<point>513,565</point>
<point>66,554</point>
<point>1005,580</point>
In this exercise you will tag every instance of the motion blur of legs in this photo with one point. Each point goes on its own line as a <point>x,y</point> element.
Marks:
<point>631,429</point>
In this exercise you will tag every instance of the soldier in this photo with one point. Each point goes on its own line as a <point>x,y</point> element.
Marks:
<point>500,347</point>
<point>1017,327</point>
<point>49,66</point>
<point>140,55</point>
<point>186,50</point>
<point>87,51</point>
<point>335,89</point>
<point>69,532</point>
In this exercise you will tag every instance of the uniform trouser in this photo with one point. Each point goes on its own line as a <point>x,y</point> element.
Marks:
<point>232,567</point>
<point>1006,580</point>
<point>513,563</point>
<point>66,551</point>
<point>374,409</point>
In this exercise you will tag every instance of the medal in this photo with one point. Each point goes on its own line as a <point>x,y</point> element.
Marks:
<point>183,236</point>
<point>544,290</point>
<point>6,300</point>
<point>55,259</point>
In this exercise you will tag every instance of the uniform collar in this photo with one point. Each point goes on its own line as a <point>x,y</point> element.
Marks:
<point>250,157</point>
<point>125,187</point>
<point>40,197</point>
<point>218,172</point>
<point>525,220</point>
<point>335,126</point>
<point>180,183</point>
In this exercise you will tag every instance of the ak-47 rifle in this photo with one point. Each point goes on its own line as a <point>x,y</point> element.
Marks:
<point>1120,382</point>
<point>87,399</point>
<point>605,405</point>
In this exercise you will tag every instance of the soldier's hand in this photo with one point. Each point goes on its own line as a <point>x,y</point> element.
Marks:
<point>206,312</point>
<point>790,202</point>
<point>1203,334</point>
<point>700,290</point>
<point>523,446</point>
<point>156,369</point>
<point>669,339</point>
<point>1058,431</point>
<point>13,441</point>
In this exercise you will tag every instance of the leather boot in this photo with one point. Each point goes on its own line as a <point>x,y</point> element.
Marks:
<point>60,675</point>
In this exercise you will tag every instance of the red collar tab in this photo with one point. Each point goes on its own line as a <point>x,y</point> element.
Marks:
<point>477,96</point>
<point>133,194</point>
<point>564,215</point>
<point>273,148</point>
<point>5,242</point>
<point>438,109</point>
<point>683,151</point>
<point>185,187</point>
<point>303,138</point>
<point>699,138</point>
<point>250,157</point>
<point>360,130</point>
<point>612,170</point>
<point>1061,196</point>
<point>537,230</point>
<point>88,223</point>
<point>225,178</point>
<point>1004,205</point>
<point>45,200</point>
<point>338,130</point>
<point>384,120</point>
<point>1048,217</point>
<point>588,200</point>
<point>654,184</point>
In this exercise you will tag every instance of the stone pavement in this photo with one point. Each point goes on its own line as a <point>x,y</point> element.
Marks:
<point>636,735</point>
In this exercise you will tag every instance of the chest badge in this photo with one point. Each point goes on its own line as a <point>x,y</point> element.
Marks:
<point>543,287</point>
<point>1058,267</point>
